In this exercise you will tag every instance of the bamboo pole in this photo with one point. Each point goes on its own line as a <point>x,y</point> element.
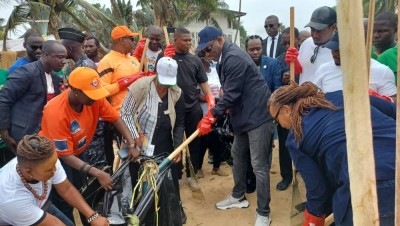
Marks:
<point>143,61</point>
<point>166,35</point>
<point>368,43</point>
<point>292,41</point>
<point>397,199</point>
<point>357,114</point>
<point>329,220</point>
<point>237,29</point>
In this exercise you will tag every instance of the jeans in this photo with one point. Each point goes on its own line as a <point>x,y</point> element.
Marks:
<point>259,141</point>
<point>386,196</point>
<point>285,162</point>
<point>57,213</point>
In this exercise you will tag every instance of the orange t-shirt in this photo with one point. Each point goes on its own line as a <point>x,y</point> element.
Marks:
<point>71,131</point>
<point>112,67</point>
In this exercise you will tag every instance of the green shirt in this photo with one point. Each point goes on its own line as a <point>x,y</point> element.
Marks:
<point>373,54</point>
<point>389,58</point>
<point>3,77</point>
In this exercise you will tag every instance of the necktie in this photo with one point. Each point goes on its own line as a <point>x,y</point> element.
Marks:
<point>271,49</point>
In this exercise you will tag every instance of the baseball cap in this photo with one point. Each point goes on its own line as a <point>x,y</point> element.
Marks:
<point>87,80</point>
<point>322,18</point>
<point>167,69</point>
<point>333,44</point>
<point>206,35</point>
<point>71,34</point>
<point>122,31</point>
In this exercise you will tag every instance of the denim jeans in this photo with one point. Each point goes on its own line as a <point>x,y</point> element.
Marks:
<point>386,196</point>
<point>259,141</point>
<point>57,213</point>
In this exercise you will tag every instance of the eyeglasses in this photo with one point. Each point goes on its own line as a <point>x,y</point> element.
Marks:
<point>270,25</point>
<point>275,119</point>
<point>208,48</point>
<point>34,48</point>
<point>130,37</point>
<point>254,37</point>
<point>314,56</point>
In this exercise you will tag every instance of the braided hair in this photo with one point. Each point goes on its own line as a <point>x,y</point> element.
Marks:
<point>302,98</point>
<point>34,148</point>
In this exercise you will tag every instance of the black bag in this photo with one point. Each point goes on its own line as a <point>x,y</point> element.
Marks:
<point>223,128</point>
<point>92,191</point>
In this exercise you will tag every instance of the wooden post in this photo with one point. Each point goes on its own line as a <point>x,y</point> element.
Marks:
<point>292,72</point>
<point>166,35</point>
<point>357,114</point>
<point>397,199</point>
<point>142,61</point>
<point>368,43</point>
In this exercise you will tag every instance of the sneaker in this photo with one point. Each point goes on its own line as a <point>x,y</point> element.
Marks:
<point>200,174</point>
<point>219,172</point>
<point>193,184</point>
<point>232,202</point>
<point>262,221</point>
<point>210,158</point>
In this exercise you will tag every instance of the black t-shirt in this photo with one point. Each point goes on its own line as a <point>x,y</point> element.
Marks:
<point>190,73</point>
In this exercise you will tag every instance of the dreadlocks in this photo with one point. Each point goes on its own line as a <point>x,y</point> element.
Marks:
<point>302,98</point>
<point>34,148</point>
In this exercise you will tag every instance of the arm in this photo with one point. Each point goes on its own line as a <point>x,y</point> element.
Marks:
<point>126,111</point>
<point>276,73</point>
<point>123,129</point>
<point>179,126</point>
<point>106,75</point>
<point>205,88</point>
<point>69,193</point>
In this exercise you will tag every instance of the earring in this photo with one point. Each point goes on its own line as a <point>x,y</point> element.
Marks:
<point>76,94</point>
<point>30,176</point>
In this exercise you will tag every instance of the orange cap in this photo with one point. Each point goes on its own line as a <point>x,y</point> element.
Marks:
<point>87,80</point>
<point>122,31</point>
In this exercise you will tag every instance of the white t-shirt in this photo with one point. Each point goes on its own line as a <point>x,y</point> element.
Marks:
<point>215,86</point>
<point>18,206</point>
<point>329,78</point>
<point>306,51</point>
<point>151,57</point>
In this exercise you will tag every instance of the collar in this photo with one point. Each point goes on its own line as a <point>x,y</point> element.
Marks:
<point>113,52</point>
<point>276,37</point>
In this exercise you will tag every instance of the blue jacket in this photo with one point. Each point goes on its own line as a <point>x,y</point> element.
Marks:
<point>321,156</point>
<point>23,98</point>
<point>245,91</point>
<point>271,71</point>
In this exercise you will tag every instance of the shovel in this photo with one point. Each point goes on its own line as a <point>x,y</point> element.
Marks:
<point>297,204</point>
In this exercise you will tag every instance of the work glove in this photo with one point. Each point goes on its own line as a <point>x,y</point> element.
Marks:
<point>210,101</point>
<point>375,94</point>
<point>205,124</point>
<point>125,82</point>
<point>169,51</point>
<point>311,220</point>
<point>291,56</point>
<point>139,49</point>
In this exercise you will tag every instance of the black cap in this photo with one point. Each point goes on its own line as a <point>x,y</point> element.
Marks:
<point>333,44</point>
<point>322,18</point>
<point>71,34</point>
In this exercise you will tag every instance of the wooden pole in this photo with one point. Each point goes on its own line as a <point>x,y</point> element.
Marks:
<point>329,220</point>
<point>166,35</point>
<point>292,41</point>
<point>143,59</point>
<point>237,29</point>
<point>368,43</point>
<point>397,199</point>
<point>360,153</point>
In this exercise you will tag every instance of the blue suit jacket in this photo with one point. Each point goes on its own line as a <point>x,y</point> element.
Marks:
<point>23,98</point>
<point>271,71</point>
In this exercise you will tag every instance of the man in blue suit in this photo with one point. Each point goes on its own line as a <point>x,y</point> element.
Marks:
<point>27,91</point>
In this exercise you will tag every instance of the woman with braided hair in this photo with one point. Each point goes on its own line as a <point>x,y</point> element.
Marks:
<point>317,145</point>
<point>26,182</point>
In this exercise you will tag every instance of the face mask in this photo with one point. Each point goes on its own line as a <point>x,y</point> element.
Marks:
<point>213,63</point>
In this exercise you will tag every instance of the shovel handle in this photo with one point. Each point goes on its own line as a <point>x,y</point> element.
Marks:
<point>183,145</point>
<point>329,220</point>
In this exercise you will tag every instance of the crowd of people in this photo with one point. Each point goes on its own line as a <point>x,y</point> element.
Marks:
<point>59,122</point>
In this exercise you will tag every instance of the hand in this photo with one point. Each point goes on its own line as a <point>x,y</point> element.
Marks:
<point>100,221</point>
<point>210,101</point>
<point>125,82</point>
<point>134,152</point>
<point>104,180</point>
<point>286,78</point>
<point>10,142</point>
<point>177,158</point>
<point>375,94</point>
<point>139,49</point>
<point>169,51</point>
<point>205,124</point>
<point>291,56</point>
<point>311,220</point>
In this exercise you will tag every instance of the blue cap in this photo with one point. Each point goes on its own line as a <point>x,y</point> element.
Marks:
<point>333,44</point>
<point>206,35</point>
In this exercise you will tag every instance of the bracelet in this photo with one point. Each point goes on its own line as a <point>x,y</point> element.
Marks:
<point>92,218</point>
<point>132,145</point>
<point>82,167</point>
<point>87,171</point>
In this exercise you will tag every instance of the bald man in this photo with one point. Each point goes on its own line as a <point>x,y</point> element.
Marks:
<point>155,35</point>
<point>27,91</point>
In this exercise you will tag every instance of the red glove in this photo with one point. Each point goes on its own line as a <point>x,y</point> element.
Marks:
<point>139,49</point>
<point>205,124</point>
<point>210,101</point>
<point>311,220</point>
<point>169,51</point>
<point>375,94</point>
<point>125,82</point>
<point>291,56</point>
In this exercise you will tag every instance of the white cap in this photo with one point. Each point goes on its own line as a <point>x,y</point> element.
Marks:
<point>167,69</point>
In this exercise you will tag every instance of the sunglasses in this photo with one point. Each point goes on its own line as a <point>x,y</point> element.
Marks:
<point>314,56</point>
<point>275,119</point>
<point>208,48</point>
<point>34,48</point>
<point>270,25</point>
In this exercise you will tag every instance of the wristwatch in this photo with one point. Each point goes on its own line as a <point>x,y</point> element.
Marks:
<point>92,218</point>
<point>132,145</point>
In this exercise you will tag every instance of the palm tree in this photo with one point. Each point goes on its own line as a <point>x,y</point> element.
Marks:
<point>206,9</point>
<point>380,6</point>
<point>164,11</point>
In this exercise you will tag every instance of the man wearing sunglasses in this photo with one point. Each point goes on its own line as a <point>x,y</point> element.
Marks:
<point>271,44</point>
<point>33,42</point>
<point>245,95</point>
<point>312,53</point>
